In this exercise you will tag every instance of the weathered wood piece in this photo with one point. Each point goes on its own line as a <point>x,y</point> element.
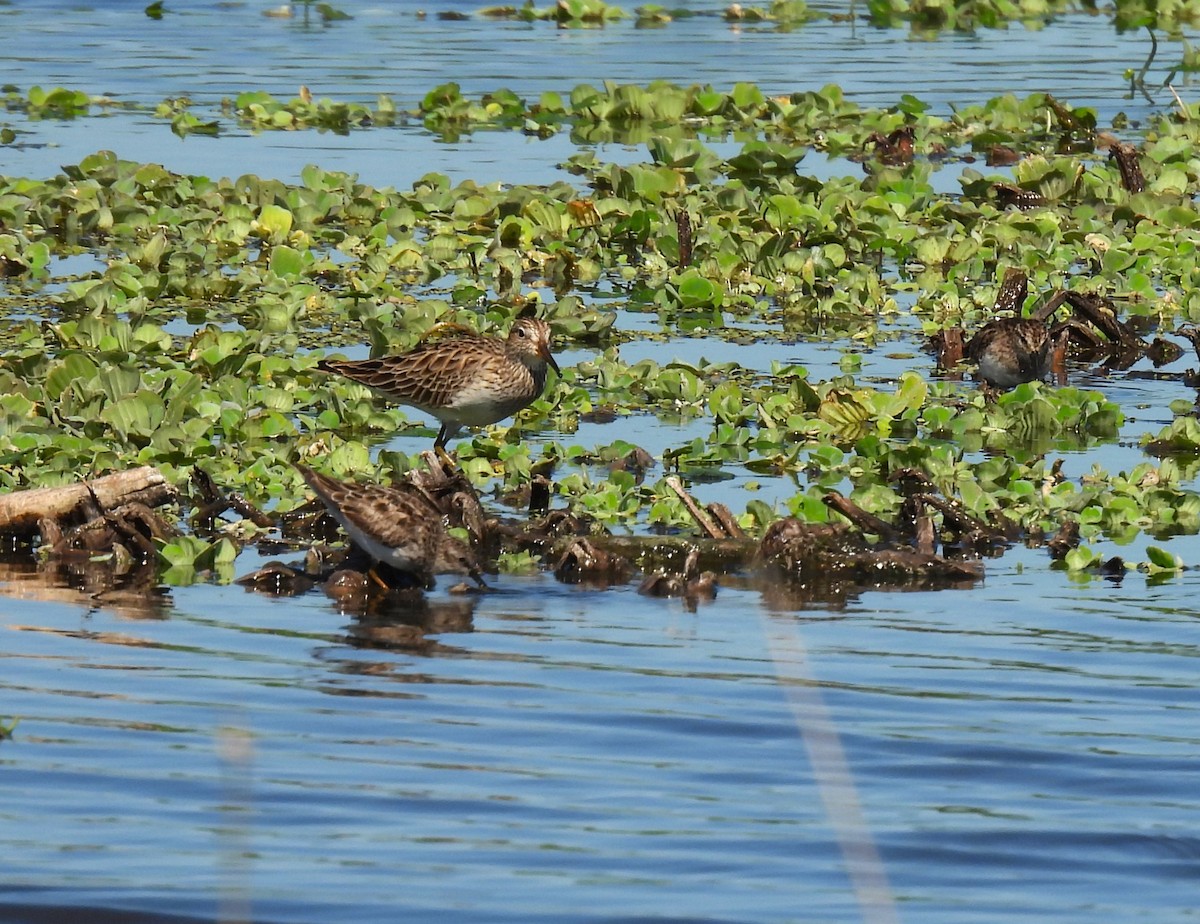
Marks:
<point>1014,289</point>
<point>724,517</point>
<point>703,520</point>
<point>21,511</point>
<point>1099,312</point>
<point>215,502</point>
<point>1126,156</point>
<point>867,522</point>
<point>1007,194</point>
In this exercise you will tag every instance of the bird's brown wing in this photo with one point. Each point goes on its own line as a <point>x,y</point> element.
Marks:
<point>392,517</point>
<point>429,376</point>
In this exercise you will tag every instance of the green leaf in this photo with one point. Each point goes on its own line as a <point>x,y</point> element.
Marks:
<point>286,261</point>
<point>275,222</point>
<point>1162,560</point>
<point>1082,558</point>
<point>182,551</point>
<point>695,291</point>
<point>138,415</point>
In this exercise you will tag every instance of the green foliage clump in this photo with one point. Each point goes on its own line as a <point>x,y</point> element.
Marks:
<point>193,337</point>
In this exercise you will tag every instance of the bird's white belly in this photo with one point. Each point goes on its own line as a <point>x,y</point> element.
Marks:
<point>480,407</point>
<point>408,558</point>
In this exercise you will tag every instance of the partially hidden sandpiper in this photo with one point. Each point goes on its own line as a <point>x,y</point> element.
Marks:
<point>463,381</point>
<point>1010,351</point>
<point>395,527</point>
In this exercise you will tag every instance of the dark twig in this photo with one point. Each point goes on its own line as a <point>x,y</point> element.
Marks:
<point>703,520</point>
<point>1013,291</point>
<point>867,522</point>
<point>683,224</point>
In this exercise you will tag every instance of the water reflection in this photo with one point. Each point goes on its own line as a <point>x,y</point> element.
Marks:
<point>135,594</point>
<point>831,593</point>
<point>405,620</point>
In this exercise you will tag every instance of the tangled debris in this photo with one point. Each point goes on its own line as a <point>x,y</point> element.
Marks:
<point>111,516</point>
<point>816,562</point>
<point>95,541</point>
<point>821,561</point>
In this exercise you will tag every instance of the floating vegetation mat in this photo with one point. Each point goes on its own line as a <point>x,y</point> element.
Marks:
<point>190,340</point>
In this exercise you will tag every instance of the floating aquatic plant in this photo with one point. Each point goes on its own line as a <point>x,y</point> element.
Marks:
<point>195,337</point>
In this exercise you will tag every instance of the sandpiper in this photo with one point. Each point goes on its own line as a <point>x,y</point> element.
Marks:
<point>395,527</point>
<point>464,381</point>
<point>1010,351</point>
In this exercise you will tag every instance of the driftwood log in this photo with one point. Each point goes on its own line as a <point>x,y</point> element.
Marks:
<point>21,512</point>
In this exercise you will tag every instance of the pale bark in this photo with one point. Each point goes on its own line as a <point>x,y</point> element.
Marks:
<point>21,511</point>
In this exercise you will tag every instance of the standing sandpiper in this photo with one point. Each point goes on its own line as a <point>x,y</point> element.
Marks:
<point>463,381</point>
<point>395,527</point>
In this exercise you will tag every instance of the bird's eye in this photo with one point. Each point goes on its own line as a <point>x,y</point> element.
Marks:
<point>521,332</point>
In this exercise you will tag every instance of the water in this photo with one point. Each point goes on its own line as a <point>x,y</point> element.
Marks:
<point>557,754</point>
<point>1020,750</point>
<point>220,50</point>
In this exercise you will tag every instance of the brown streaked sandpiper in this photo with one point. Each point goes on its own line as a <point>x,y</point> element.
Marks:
<point>1010,351</point>
<point>395,527</point>
<point>463,381</point>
